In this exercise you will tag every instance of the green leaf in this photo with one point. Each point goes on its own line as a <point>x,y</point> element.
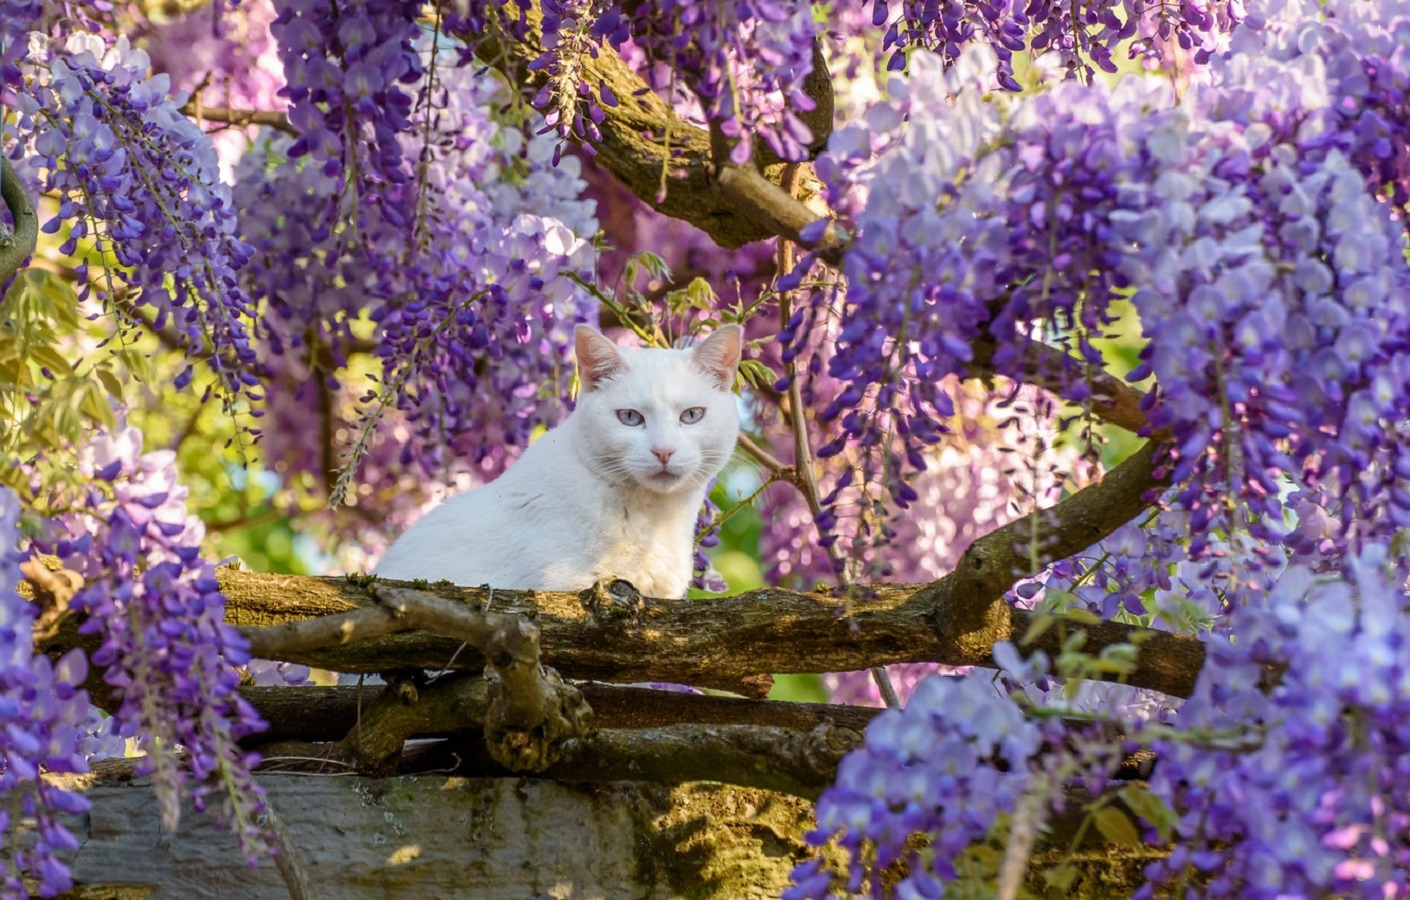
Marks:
<point>1037,628</point>
<point>47,356</point>
<point>1117,827</point>
<point>110,381</point>
<point>94,404</point>
<point>1149,808</point>
<point>1082,616</point>
<point>1060,878</point>
<point>756,373</point>
<point>60,297</point>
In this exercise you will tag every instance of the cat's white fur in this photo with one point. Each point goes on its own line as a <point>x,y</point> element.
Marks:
<point>600,496</point>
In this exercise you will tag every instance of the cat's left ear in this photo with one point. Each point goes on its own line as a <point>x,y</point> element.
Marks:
<point>718,355</point>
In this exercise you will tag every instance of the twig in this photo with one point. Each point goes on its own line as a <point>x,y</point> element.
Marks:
<point>17,245</point>
<point>804,476</point>
<point>287,860</point>
<point>1113,400</point>
<point>779,469</point>
<point>240,117</point>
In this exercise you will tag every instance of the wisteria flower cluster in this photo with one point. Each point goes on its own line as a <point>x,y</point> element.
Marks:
<point>17,19</point>
<point>40,703</point>
<point>349,67</point>
<point>141,181</point>
<point>467,272</point>
<point>165,645</point>
<point>1298,788</point>
<point>1351,88</point>
<point>1264,278</point>
<point>929,769</point>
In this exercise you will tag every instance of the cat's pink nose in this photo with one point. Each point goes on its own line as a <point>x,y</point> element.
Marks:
<point>663,455</point>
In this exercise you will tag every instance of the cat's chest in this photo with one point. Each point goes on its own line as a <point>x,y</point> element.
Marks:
<point>651,550</point>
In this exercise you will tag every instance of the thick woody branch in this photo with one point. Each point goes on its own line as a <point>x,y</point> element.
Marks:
<point>713,642</point>
<point>313,713</point>
<point>16,245</point>
<point>531,712</point>
<point>794,748</point>
<point>659,736</point>
<point>649,148</point>
<point>968,605</point>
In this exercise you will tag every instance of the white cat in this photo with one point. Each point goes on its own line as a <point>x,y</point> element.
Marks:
<point>614,491</point>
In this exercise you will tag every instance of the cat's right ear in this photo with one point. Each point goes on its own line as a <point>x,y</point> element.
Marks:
<point>598,358</point>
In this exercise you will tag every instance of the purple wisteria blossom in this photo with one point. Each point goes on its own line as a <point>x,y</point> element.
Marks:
<point>139,180</point>
<point>1269,281</point>
<point>1298,788</point>
<point>165,646</point>
<point>40,703</point>
<point>466,272</point>
<point>927,769</point>
<point>1084,38</point>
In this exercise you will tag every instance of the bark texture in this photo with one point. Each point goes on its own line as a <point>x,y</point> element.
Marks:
<point>435,836</point>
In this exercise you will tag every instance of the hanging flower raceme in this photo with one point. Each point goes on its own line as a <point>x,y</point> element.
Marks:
<point>1269,282</point>
<point>40,704</point>
<point>1082,37</point>
<point>138,179</point>
<point>926,769</point>
<point>472,295</point>
<point>349,66</point>
<point>165,647</point>
<point>1298,787</point>
<point>1350,90</point>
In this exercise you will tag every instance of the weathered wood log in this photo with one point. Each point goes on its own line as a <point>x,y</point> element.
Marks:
<point>440,836</point>
<point>435,836</point>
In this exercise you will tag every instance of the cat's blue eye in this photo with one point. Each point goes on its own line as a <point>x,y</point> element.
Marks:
<point>630,417</point>
<point>693,415</point>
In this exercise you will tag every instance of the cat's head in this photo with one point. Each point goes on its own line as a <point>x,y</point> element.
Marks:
<point>664,420</point>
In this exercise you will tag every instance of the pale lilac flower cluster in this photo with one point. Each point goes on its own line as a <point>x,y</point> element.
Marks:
<point>137,178</point>
<point>1270,282</point>
<point>1298,788</point>
<point>40,702</point>
<point>165,646</point>
<point>948,766</point>
<point>1326,75</point>
<point>17,19</point>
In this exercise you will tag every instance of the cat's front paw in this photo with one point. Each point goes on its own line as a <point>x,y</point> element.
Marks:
<point>612,600</point>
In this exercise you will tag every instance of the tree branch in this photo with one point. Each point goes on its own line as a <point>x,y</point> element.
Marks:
<point>642,138</point>
<point>315,713</point>
<point>797,754</point>
<point>15,246</point>
<point>531,711</point>
<point>658,736</point>
<point>955,620</point>
<point>968,606</point>
<point>240,117</point>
